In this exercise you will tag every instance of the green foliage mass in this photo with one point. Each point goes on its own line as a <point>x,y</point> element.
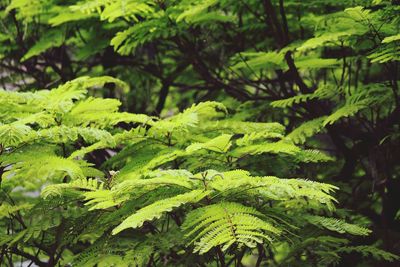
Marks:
<point>199,133</point>
<point>171,176</point>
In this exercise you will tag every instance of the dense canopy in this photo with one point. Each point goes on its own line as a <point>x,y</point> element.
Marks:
<point>199,133</point>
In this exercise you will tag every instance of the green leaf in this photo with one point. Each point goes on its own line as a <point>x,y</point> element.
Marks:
<point>52,38</point>
<point>158,208</point>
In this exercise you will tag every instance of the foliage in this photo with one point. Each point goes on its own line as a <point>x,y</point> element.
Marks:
<point>184,180</point>
<point>138,175</point>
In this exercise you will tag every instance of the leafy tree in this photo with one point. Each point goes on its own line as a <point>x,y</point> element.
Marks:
<point>327,71</point>
<point>175,193</point>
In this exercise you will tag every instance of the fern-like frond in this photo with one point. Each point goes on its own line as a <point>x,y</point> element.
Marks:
<point>289,102</point>
<point>128,10</point>
<point>144,32</point>
<point>12,135</point>
<point>225,224</point>
<point>280,147</point>
<point>189,118</point>
<point>195,12</point>
<point>392,38</point>
<point>67,15</point>
<point>32,166</point>
<point>306,130</point>
<point>254,137</point>
<point>343,112</point>
<point>247,128</point>
<point>52,38</point>
<point>305,193</point>
<point>114,252</point>
<point>386,53</point>
<point>60,100</point>
<point>65,134</point>
<point>78,184</point>
<point>255,61</point>
<point>6,210</point>
<point>111,10</point>
<point>158,208</point>
<point>219,144</point>
<point>141,186</point>
<point>337,225</point>
<point>103,199</point>
<point>312,156</point>
<point>101,113</point>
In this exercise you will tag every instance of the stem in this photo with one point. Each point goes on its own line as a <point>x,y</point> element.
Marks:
<point>221,256</point>
<point>261,254</point>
